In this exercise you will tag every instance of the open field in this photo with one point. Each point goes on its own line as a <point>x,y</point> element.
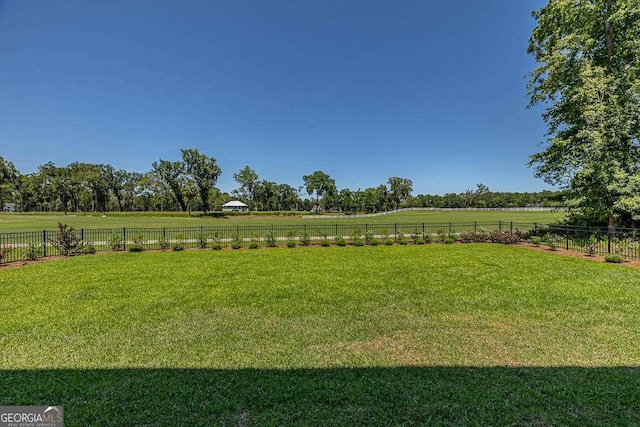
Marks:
<point>30,222</point>
<point>435,334</point>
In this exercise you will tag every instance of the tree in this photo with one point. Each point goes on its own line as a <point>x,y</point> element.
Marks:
<point>8,178</point>
<point>320,183</point>
<point>400,190</point>
<point>172,174</point>
<point>204,171</point>
<point>248,180</point>
<point>588,79</point>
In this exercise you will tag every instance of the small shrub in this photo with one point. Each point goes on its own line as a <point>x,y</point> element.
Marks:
<point>402,239</point>
<point>255,242</point>
<point>163,242</point>
<point>426,238</point>
<point>177,247</point>
<point>324,241</point>
<point>552,241</point>
<point>271,239</point>
<point>374,242</point>
<point>369,237</point>
<point>203,240</point>
<point>535,240</point>
<point>217,241</point>
<point>66,240</point>
<point>135,247</point>
<point>504,237</point>
<point>388,241</point>
<point>115,242</point>
<point>356,238</point>
<point>305,239</point>
<point>416,236</point>
<point>139,239</point>
<point>340,241</point>
<point>448,240</point>
<point>440,235</point>
<point>384,233</point>
<point>615,258</point>
<point>4,252</point>
<point>236,241</point>
<point>592,246</point>
<point>291,243</point>
<point>31,252</point>
<point>88,248</point>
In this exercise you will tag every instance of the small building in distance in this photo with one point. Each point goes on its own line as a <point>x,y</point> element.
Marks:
<point>9,207</point>
<point>235,206</point>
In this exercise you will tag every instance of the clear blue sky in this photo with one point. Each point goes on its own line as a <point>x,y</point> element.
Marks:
<point>433,91</point>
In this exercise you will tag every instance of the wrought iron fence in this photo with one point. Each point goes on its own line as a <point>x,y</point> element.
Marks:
<point>15,246</point>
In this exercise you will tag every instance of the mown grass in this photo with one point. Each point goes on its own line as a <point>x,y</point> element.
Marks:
<point>435,334</point>
<point>12,222</point>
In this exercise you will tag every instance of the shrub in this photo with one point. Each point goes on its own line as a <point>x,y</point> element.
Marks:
<point>305,239</point>
<point>255,241</point>
<point>176,247</point>
<point>236,241</point>
<point>340,241</point>
<point>592,246</point>
<point>291,243</point>
<point>66,240</point>
<point>323,238</point>
<point>88,248</point>
<point>116,242</point>
<point>163,242</point>
<point>441,235</point>
<point>203,240</point>
<point>374,242</point>
<point>416,237</point>
<point>369,237</point>
<point>384,233</point>
<point>449,240</point>
<point>388,241</point>
<point>270,239</point>
<point>135,247</point>
<point>217,241</point>
<point>426,238</point>
<point>535,240</point>
<point>356,238</point>
<point>615,258</point>
<point>4,251</point>
<point>504,237</point>
<point>31,252</point>
<point>552,241</point>
<point>139,239</point>
<point>402,239</point>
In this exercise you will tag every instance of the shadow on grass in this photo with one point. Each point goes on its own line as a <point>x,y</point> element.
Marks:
<point>341,396</point>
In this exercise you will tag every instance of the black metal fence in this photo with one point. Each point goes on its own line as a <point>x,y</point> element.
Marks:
<point>17,246</point>
<point>589,240</point>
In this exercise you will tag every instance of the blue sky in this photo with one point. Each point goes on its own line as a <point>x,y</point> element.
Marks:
<point>363,90</point>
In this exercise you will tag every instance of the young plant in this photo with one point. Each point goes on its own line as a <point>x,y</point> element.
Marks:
<point>340,241</point>
<point>535,240</point>
<point>88,248</point>
<point>592,246</point>
<point>255,241</point>
<point>4,252</point>
<point>217,241</point>
<point>178,245</point>
<point>203,240</point>
<point>115,242</point>
<point>614,258</point>
<point>305,239</point>
<point>369,237</point>
<point>32,251</point>
<point>163,242</point>
<point>270,239</point>
<point>66,241</point>
<point>552,241</point>
<point>402,239</point>
<point>416,236</point>
<point>356,238</point>
<point>236,241</point>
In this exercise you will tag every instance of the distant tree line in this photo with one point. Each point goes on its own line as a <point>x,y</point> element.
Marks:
<point>190,184</point>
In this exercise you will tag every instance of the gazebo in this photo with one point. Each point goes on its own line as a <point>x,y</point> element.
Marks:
<point>235,206</point>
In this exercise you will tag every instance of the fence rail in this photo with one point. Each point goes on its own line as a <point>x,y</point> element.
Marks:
<point>589,240</point>
<point>371,215</point>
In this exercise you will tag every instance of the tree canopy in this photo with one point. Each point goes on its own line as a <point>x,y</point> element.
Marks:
<point>588,79</point>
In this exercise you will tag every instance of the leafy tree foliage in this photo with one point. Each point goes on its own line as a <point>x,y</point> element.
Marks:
<point>172,174</point>
<point>8,178</point>
<point>588,78</point>
<point>248,180</point>
<point>204,171</point>
<point>320,183</point>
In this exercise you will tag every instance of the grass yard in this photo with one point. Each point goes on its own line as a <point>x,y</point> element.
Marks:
<point>11,222</point>
<point>398,335</point>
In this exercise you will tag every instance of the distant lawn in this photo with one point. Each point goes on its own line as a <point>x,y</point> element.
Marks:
<point>434,334</point>
<point>20,222</point>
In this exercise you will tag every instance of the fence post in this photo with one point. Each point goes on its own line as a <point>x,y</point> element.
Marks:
<point>82,234</point>
<point>609,232</point>
<point>423,228</point>
<point>511,227</point>
<point>44,242</point>
<point>395,232</point>
<point>475,226</point>
<point>567,234</point>
<point>164,232</point>
<point>124,238</point>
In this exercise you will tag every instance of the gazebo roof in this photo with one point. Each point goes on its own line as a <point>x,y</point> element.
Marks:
<point>235,203</point>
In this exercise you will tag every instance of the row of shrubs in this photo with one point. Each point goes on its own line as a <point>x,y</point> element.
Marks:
<point>68,243</point>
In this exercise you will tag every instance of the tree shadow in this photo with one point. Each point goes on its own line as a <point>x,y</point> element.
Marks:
<point>340,396</point>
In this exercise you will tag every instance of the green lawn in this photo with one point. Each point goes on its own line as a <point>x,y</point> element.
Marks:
<point>29,222</point>
<point>435,334</point>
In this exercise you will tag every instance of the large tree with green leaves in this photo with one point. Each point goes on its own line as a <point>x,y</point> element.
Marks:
<point>588,79</point>
<point>172,175</point>
<point>204,171</point>
<point>248,180</point>
<point>8,179</point>
<point>320,183</point>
